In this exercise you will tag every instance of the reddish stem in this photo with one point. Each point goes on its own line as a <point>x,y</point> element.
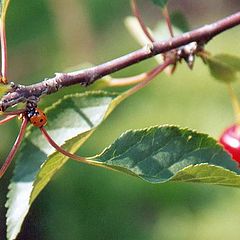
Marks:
<point>3,50</point>
<point>59,149</point>
<point>16,112</point>
<point>137,14</point>
<point>15,147</point>
<point>7,119</point>
<point>150,75</point>
<point>168,21</point>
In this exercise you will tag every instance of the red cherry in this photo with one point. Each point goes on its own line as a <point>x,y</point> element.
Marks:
<point>230,139</point>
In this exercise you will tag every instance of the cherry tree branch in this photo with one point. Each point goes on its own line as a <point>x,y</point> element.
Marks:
<point>88,76</point>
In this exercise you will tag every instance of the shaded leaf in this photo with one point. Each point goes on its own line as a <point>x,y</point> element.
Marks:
<point>221,70</point>
<point>167,153</point>
<point>179,21</point>
<point>161,3</point>
<point>230,60</point>
<point>70,122</point>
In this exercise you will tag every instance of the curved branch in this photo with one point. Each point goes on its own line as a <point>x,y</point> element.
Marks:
<point>88,76</point>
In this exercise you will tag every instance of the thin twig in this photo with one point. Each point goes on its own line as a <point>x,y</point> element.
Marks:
<point>141,78</point>
<point>15,147</point>
<point>137,14</point>
<point>150,76</point>
<point>16,112</point>
<point>7,119</point>
<point>168,20</point>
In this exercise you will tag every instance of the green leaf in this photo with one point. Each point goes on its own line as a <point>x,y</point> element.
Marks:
<point>231,61</point>
<point>4,88</point>
<point>179,21</point>
<point>161,3</point>
<point>221,69</point>
<point>167,153</point>
<point>70,122</point>
<point>205,173</point>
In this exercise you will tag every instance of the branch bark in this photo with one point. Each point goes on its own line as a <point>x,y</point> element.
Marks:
<point>88,76</point>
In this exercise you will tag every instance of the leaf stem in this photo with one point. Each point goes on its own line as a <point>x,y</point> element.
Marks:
<point>149,76</point>
<point>122,82</point>
<point>7,119</point>
<point>137,14</point>
<point>168,20</point>
<point>70,155</point>
<point>15,147</point>
<point>16,112</point>
<point>235,103</point>
<point>3,50</point>
<point>60,149</point>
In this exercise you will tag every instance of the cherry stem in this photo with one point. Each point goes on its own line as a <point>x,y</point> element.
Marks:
<point>3,50</point>
<point>15,147</point>
<point>235,102</point>
<point>7,119</point>
<point>137,14</point>
<point>168,20</point>
<point>60,149</point>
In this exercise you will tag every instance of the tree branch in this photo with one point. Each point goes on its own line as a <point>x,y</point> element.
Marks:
<point>88,76</point>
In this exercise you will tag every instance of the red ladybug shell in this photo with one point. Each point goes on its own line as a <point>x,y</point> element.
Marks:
<point>37,117</point>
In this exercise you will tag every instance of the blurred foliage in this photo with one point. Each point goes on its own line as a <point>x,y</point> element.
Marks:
<point>87,203</point>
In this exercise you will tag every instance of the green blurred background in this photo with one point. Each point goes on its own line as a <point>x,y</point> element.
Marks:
<point>82,202</point>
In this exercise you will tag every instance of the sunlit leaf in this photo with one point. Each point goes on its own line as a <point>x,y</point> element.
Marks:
<point>205,173</point>
<point>70,122</point>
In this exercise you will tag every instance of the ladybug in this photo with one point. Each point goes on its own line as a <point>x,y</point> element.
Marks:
<point>37,117</point>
